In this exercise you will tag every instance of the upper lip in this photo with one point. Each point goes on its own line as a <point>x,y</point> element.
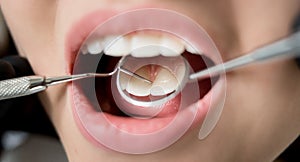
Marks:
<point>81,29</point>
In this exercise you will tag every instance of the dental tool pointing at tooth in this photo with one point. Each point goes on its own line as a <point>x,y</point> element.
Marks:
<point>285,48</point>
<point>28,85</point>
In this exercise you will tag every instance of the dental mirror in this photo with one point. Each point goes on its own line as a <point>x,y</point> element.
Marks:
<point>166,74</point>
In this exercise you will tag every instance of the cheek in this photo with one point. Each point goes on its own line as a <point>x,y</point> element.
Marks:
<point>28,19</point>
<point>32,26</point>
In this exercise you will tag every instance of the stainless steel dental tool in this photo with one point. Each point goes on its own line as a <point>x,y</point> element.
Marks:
<point>288,47</point>
<point>28,85</point>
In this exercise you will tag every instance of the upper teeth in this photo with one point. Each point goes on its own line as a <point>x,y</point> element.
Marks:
<point>145,44</point>
<point>139,44</point>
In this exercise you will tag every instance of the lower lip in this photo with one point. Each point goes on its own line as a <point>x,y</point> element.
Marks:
<point>133,135</point>
<point>140,136</point>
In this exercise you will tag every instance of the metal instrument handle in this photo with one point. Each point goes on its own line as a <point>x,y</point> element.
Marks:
<point>22,86</point>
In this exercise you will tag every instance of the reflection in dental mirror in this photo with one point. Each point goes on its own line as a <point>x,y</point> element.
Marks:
<point>165,73</point>
<point>163,81</point>
<point>143,100</point>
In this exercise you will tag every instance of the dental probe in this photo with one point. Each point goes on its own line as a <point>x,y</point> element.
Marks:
<point>288,47</point>
<point>28,85</point>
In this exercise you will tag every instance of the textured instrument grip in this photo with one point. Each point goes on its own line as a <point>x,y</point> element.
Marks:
<point>14,87</point>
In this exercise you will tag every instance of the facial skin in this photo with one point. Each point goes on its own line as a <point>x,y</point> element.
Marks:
<point>261,113</point>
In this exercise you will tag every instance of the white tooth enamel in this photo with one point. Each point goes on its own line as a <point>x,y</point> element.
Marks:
<point>124,79</point>
<point>180,72</point>
<point>109,40</point>
<point>164,83</point>
<point>84,49</point>
<point>141,44</point>
<point>145,45</point>
<point>119,47</point>
<point>94,46</point>
<point>171,46</point>
<point>191,49</point>
<point>138,87</point>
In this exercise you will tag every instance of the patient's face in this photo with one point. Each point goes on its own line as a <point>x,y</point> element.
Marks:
<point>260,103</point>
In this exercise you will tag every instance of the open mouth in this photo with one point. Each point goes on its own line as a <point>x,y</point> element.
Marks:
<point>154,55</point>
<point>102,114</point>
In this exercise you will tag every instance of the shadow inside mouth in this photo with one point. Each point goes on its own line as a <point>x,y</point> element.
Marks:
<point>198,63</point>
<point>98,90</point>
